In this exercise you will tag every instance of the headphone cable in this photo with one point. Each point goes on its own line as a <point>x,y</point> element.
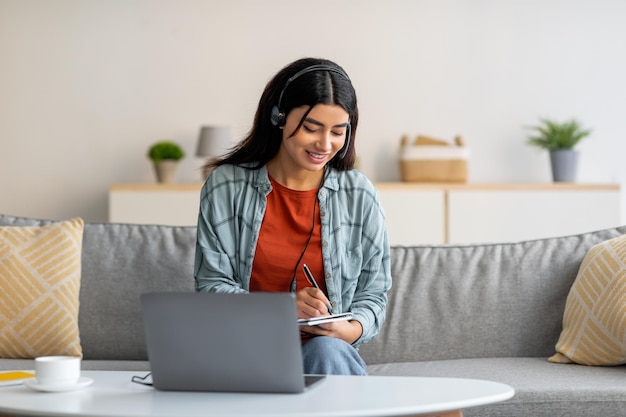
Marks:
<point>293,286</point>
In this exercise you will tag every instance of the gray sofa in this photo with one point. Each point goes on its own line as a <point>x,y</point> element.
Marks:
<point>489,311</point>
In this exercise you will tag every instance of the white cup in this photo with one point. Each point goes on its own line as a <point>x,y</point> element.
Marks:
<point>57,370</point>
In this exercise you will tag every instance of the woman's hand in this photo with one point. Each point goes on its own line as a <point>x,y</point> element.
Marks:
<point>311,302</point>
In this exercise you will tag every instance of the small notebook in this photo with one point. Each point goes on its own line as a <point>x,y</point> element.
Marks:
<point>314,321</point>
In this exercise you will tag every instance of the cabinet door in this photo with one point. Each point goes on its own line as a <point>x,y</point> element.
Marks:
<point>414,216</point>
<point>513,215</point>
<point>172,208</point>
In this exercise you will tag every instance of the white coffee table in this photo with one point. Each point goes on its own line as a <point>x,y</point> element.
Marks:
<point>114,395</point>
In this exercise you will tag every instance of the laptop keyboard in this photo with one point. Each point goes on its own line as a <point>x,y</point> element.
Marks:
<point>312,379</point>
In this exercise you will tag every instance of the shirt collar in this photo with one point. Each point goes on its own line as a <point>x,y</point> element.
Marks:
<point>262,181</point>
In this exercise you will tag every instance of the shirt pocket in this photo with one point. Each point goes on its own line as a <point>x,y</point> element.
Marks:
<point>352,265</point>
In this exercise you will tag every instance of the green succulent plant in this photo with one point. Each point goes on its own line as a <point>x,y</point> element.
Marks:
<point>552,135</point>
<point>165,149</point>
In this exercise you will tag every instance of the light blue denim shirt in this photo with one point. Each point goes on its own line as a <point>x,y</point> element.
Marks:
<point>355,247</point>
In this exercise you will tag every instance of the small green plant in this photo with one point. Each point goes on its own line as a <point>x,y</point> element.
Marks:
<point>165,149</point>
<point>552,135</point>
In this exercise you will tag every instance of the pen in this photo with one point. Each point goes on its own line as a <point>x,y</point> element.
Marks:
<point>311,279</point>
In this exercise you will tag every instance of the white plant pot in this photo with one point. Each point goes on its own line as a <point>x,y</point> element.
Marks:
<point>166,170</point>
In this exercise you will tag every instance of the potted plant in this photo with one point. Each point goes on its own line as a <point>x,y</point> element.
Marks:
<point>559,139</point>
<point>165,155</point>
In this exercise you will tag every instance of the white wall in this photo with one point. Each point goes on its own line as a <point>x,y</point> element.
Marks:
<point>87,86</point>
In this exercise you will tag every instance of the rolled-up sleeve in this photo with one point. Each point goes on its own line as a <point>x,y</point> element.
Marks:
<point>220,234</point>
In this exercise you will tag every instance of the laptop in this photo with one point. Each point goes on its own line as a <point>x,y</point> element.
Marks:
<point>224,342</point>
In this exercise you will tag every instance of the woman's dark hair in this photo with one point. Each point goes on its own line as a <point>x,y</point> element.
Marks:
<point>309,89</point>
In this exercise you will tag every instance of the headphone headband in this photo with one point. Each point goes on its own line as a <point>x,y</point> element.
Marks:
<point>278,118</point>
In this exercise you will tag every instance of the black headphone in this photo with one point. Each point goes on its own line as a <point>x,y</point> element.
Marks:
<point>278,117</point>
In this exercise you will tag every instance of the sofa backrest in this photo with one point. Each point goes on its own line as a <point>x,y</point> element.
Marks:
<point>483,300</point>
<point>446,302</point>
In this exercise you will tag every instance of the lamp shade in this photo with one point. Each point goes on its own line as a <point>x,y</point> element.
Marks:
<point>213,141</point>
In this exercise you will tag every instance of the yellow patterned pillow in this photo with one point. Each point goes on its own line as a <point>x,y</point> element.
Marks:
<point>594,323</point>
<point>39,287</point>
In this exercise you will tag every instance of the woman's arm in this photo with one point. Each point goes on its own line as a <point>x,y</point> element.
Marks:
<point>217,237</point>
<point>357,258</point>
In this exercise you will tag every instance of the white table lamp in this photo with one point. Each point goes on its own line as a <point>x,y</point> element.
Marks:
<point>213,141</point>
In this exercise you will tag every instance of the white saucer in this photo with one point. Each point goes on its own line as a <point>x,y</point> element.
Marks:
<point>80,384</point>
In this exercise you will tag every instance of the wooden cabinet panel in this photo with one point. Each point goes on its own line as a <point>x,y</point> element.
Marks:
<point>513,215</point>
<point>415,216</point>
<point>173,205</point>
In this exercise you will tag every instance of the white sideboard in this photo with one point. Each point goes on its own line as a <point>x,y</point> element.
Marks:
<point>420,213</point>
<point>169,204</point>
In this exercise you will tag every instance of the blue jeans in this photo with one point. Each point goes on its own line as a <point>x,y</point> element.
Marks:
<point>325,355</point>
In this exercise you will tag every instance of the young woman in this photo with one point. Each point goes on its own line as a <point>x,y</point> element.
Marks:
<point>287,196</point>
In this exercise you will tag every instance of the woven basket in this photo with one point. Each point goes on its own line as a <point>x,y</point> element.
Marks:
<point>434,163</point>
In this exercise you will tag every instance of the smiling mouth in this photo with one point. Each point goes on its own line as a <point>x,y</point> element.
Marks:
<point>317,155</point>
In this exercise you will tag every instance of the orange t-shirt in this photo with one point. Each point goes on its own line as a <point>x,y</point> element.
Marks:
<point>289,217</point>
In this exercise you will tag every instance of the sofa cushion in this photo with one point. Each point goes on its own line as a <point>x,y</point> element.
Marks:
<point>40,273</point>
<point>541,388</point>
<point>119,263</point>
<point>594,322</point>
<point>480,300</point>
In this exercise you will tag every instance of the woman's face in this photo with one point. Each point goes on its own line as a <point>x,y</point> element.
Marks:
<point>321,136</point>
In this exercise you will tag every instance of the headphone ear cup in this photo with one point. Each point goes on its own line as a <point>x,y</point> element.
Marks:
<point>277,117</point>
